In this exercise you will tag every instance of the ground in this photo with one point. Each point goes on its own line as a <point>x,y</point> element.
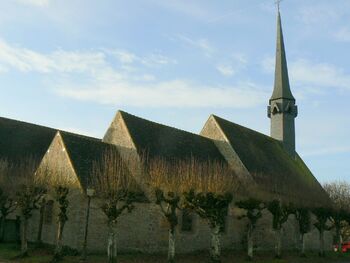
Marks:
<point>43,255</point>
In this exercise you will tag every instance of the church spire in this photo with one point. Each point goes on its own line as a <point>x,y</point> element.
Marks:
<point>281,88</point>
<point>282,109</point>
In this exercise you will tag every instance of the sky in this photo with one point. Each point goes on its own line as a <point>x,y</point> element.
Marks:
<point>71,64</point>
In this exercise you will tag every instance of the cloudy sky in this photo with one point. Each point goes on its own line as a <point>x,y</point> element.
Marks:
<point>71,64</point>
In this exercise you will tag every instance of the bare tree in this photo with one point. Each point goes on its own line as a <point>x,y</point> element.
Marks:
<point>339,192</point>
<point>303,217</point>
<point>164,179</point>
<point>208,190</point>
<point>280,213</point>
<point>253,213</point>
<point>28,195</point>
<point>42,205</point>
<point>58,177</point>
<point>323,216</point>
<point>118,192</point>
<point>7,199</point>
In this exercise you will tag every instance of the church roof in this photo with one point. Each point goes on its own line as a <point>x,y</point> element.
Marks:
<point>19,140</point>
<point>281,87</point>
<point>271,167</point>
<point>157,140</point>
<point>83,151</point>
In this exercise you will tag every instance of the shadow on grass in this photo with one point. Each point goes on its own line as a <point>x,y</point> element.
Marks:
<point>44,254</point>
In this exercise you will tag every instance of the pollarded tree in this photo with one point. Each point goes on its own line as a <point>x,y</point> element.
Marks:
<point>323,216</point>
<point>164,179</point>
<point>118,192</point>
<point>208,190</point>
<point>253,208</point>
<point>339,192</point>
<point>7,199</point>
<point>28,195</point>
<point>59,180</point>
<point>280,213</point>
<point>303,217</point>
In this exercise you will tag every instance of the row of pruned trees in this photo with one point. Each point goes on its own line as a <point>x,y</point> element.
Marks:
<point>207,188</point>
<point>24,189</point>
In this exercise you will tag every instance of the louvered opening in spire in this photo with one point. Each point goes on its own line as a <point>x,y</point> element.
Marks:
<point>281,87</point>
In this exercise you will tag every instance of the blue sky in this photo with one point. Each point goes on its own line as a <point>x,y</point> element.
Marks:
<point>73,64</point>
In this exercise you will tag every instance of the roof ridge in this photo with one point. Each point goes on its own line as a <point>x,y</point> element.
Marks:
<point>164,125</point>
<point>246,128</point>
<point>46,127</point>
<point>30,123</point>
<point>81,136</point>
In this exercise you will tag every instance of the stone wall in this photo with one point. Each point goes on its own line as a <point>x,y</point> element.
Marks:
<point>145,230</point>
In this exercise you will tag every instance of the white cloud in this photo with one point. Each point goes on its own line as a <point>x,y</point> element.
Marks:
<point>124,85</point>
<point>175,93</point>
<point>343,34</point>
<point>303,71</point>
<point>236,62</point>
<point>314,75</point>
<point>39,3</point>
<point>226,70</point>
<point>201,44</point>
<point>184,7</point>
<point>150,60</point>
<point>125,57</point>
<point>268,64</point>
<point>27,60</point>
<point>319,14</point>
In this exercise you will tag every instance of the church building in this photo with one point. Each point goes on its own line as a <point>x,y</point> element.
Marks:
<point>271,163</point>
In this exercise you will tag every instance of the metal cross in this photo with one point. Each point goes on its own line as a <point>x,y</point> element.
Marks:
<point>277,2</point>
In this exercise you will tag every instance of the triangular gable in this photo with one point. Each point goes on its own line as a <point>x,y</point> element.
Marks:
<point>157,140</point>
<point>213,131</point>
<point>58,161</point>
<point>118,133</point>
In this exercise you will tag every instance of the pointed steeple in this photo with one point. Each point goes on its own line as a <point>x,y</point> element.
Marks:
<point>281,88</point>
<point>282,109</point>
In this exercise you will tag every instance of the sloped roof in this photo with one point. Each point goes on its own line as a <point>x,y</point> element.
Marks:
<point>20,140</point>
<point>157,140</point>
<point>84,152</point>
<point>272,167</point>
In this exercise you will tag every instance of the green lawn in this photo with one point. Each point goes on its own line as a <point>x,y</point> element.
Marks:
<point>9,251</point>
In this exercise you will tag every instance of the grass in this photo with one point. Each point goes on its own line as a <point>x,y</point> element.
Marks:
<point>44,255</point>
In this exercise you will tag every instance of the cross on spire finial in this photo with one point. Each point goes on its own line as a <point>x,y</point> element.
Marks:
<point>277,2</point>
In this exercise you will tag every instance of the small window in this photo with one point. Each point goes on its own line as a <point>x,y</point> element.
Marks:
<point>187,221</point>
<point>48,212</point>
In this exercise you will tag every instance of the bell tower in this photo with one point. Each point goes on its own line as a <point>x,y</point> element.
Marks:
<point>282,109</point>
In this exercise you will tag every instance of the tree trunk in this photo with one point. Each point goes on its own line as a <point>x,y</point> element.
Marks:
<point>278,247</point>
<point>302,245</point>
<point>321,252</point>
<point>339,240</point>
<point>250,243</point>
<point>24,241</point>
<point>2,228</point>
<point>41,222</point>
<point>171,248</point>
<point>215,251</point>
<point>112,244</point>
<point>58,249</point>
